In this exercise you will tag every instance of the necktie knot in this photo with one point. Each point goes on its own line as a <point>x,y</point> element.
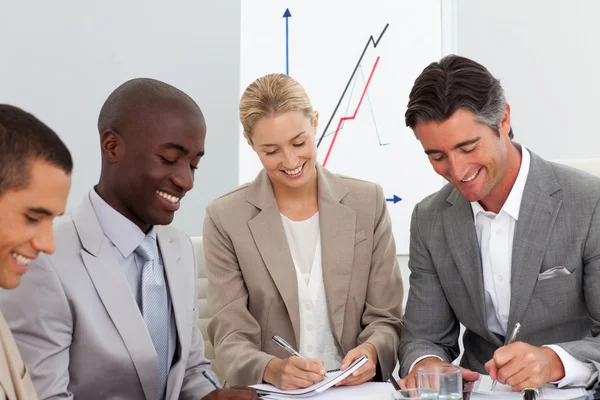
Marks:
<point>147,249</point>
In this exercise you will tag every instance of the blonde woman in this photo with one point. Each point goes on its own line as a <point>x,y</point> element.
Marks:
<point>301,253</point>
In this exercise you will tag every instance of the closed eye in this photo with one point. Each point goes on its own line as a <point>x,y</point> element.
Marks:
<point>300,144</point>
<point>31,220</point>
<point>468,150</point>
<point>270,153</point>
<point>167,161</point>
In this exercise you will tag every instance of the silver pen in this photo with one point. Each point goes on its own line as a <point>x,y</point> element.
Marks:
<point>212,380</point>
<point>286,346</point>
<point>508,340</point>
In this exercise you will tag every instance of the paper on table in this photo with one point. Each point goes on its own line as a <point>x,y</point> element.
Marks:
<point>368,390</point>
<point>483,390</point>
<point>332,378</point>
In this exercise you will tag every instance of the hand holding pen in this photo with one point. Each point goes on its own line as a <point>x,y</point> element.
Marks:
<point>523,366</point>
<point>293,372</point>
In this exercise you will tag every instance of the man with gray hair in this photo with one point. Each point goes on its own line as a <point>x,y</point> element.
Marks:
<point>512,238</point>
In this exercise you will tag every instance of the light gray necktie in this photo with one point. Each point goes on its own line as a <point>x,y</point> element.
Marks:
<point>155,307</point>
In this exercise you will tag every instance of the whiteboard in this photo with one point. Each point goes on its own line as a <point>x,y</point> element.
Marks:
<point>357,61</point>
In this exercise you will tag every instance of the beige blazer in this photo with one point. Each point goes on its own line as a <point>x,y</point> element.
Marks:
<point>252,287</point>
<point>81,331</point>
<point>15,383</point>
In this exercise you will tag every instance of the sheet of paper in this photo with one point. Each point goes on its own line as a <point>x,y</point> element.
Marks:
<point>368,390</point>
<point>483,390</point>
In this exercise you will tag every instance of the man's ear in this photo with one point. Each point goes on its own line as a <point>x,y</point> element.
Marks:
<point>112,146</point>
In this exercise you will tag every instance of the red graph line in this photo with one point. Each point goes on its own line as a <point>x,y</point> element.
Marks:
<point>353,115</point>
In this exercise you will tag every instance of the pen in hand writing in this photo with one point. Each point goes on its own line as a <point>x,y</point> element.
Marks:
<point>508,340</point>
<point>286,346</point>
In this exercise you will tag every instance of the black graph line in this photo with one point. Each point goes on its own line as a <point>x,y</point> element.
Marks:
<point>375,43</point>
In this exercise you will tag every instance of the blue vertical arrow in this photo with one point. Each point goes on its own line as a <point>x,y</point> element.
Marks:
<point>394,199</point>
<point>287,16</point>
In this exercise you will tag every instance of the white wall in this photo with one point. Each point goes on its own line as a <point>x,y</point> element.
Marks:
<point>60,60</point>
<point>546,55</point>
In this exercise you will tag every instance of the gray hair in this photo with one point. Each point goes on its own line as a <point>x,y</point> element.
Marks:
<point>456,83</point>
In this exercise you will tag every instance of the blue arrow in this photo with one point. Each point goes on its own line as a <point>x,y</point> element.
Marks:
<point>287,15</point>
<point>394,199</point>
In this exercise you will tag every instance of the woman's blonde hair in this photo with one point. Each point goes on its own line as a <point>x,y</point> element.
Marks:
<point>269,96</point>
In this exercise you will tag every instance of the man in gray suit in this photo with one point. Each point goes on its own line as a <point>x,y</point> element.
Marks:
<point>112,313</point>
<point>512,238</point>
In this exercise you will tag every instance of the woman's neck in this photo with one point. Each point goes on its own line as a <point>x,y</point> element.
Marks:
<point>300,203</point>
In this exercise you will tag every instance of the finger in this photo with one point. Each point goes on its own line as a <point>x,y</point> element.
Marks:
<point>469,375</point>
<point>491,369</point>
<point>508,371</point>
<point>357,380</point>
<point>402,383</point>
<point>350,356</point>
<point>411,381</point>
<point>525,379</point>
<point>368,366</point>
<point>312,365</point>
<point>507,353</point>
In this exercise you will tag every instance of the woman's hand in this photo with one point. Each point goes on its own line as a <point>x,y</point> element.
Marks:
<point>367,371</point>
<point>294,372</point>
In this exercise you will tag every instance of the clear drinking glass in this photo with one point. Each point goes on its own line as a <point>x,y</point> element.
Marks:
<point>415,394</point>
<point>447,380</point>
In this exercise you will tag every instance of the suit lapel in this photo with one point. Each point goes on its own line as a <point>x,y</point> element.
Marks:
<point>115,294</point>
<point>338,231</point>
<point>537,216</point>
<point>170,250</point>
<point>269,237</point>
<point>459,228</point>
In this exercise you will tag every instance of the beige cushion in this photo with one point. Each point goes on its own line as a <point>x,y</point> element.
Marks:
<point>589,165</point>
<point>204,313</point>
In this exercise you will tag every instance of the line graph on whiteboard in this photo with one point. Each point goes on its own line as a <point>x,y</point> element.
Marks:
<point>357,65</point>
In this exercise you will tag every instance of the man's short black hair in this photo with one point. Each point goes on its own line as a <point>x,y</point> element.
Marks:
<point>24,139</point>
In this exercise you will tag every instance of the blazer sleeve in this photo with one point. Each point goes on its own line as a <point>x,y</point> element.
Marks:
<point>382,314</point>
<point>194,384</point>
<point>588,349</point>
<point>39,316</point>
<point>430,326</point>
<point>233,331</point>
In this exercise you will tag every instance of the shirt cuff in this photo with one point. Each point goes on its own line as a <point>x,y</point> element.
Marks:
<point>421,358</point>
<point>577,373</point>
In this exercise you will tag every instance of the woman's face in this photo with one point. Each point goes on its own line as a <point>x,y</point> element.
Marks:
<point>285,145</point>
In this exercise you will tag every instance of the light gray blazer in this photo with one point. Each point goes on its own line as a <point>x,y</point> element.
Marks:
<point>558,226</point>
<point>80,330</point>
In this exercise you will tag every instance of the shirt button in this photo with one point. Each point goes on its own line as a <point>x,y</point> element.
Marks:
<point>500,277</point>
<point>308,306</point>
<point>309,348</point>
<point>309,326</point>
<point>499,231</point>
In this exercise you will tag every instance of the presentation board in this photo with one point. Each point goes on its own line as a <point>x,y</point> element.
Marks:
<point>357,61</point>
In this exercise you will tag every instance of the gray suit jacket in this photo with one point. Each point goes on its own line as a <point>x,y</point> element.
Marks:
<point>252,287</point>
<point>558,226</point>
<point>80,330</point>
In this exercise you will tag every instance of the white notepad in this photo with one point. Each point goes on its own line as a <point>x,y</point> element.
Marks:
<point>332,378</point>
<point>483,390</point>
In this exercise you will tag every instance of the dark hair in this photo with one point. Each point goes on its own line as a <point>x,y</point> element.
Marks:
<point>24,139</point>
<point>453,83</point>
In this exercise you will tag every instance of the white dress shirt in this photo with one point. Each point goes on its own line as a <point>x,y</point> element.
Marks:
<point>495,234</point>
<point>124,237</point>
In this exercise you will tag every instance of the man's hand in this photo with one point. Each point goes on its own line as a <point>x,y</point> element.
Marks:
<point>410,380</point>
<point>294,372</point>
<point>523,366</point>
<point>242,393</point>
<point>367,371</point>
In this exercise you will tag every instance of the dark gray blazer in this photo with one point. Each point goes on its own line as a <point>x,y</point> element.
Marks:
<point>558,226</point>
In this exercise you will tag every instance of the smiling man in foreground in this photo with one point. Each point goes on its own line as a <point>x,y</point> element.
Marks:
<point>512,238</point>
<point>112,314</point>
